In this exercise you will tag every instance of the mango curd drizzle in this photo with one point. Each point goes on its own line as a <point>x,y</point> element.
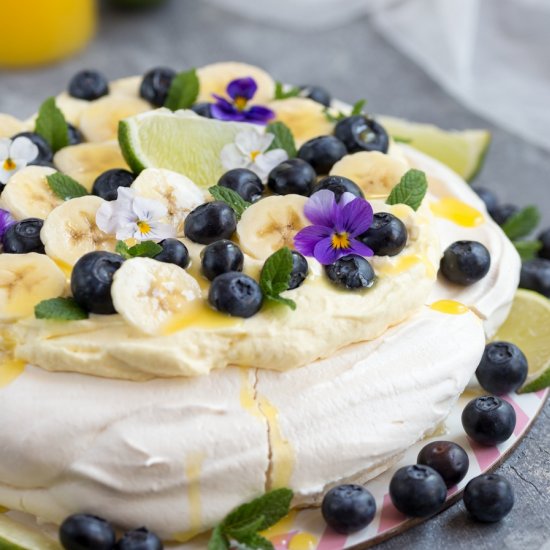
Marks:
<point>199,315</point>
<point>405,263</point>
<point>457,212</point>
<point>247,398</point>
<point>450,307</point>
<point>303,541</point>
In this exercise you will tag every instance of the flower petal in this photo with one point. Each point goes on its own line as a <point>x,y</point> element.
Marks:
<point>307,238</point>
<point>232,157</point>
<point>258,115</point>
<point>321,208</point>
<point>23,149</point>
<point>242,87</point>
<point>266,141</point>
<point>6,220</point>
<point>248,141</point>
<point>4,149</point>
<point>346,197</point>
<point>126,231</point>
<point>357,216</point>
<point>149,210</point>
<point>263,164</point>
<point>325,253</point>
<point>357,247</point>
<point>223,110</point>
<point>158,231</point>
<point>105,218</point>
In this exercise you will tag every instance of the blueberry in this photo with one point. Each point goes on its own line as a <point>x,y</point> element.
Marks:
<point>244,182</point>
<point>316,93</point>
<point>220,257</point>
<point>23,237</point>
<point>88,85</point>
<point>351,272</point>
<point>487,196</point>
<point>360,133</point>
<point>300,269</point>
<point>348,508</point>
<point>503,212</point>
<point>489,497</point>
<point>202,109</point>
<point>338,185</point>
<point>489,420</point>
<point>139,539</point>
<point>45,154</point>
<point>236,294</point>
<point>544,238</point>
<point>417,491</point>
<point>465,262</point>
<point>387,235</point>
<point>173,252</point>
<point>292,176</point>
<point>156,84</point>
<point>75,135</point>
<point>448,459</point>
<point>86,532</point>
<point>503,368</point>
<point>535,275</point>
<point>210,222</point>
<point>106,185</point>
<point>322,153</point>
<point>91,281</point>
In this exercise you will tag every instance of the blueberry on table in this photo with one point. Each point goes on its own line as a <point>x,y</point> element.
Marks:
<point>348,508</point>
<point>156,84</point>
<point>487,196</point>
<point>88,85</point>
<point>293,176</point>
<point>338,185</point>
<point>300,269</point>
<point>202,109</point>
<point>351,272</point>
<point>322,153</point>
<point>465,262</point>
<point>45,154</point>
<point>139,539</point>
<point>387,235</point>
<point>244,182</point>
<point>489,497</point>
<point>173,252</point>
<point>316,93</point>
<point>23,237</point>
<point>360,133</point>
<point>535,275</point>
<point>236,294</point>
<point>84,531</point>
<point>448,459</point>
<point>544,238</point>
<point>221,257</point>
<point>503,212</point>
<point>75,135</point>
<point>106,185</point>
<point>210,222</point>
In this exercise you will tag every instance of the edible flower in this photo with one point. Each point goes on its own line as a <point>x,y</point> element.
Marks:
<point>336,226</point>
<point>132,217</point>
<point>250,150</point>
<point>241,91</point>
<point>6,221</point>
<point>14,155</point>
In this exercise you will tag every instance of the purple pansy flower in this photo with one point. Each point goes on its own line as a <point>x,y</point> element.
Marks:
<point>241,91</point>
<point>6,221</point>
<point>336,226</point>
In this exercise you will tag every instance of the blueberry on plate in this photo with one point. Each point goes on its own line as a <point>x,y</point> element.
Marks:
<point>535,275</point>
<point>91,281</point>
<point>338,185</point>
<point>156,84</point>
<point>503,212</point>
<point>544,238</point>
<point>417,491</point>
<point>202,109</point>
<point>106,185</point>
<point>351,272</point>
<point>236,294</point>
<point>489,420</point>
<point>387,235</point>
<point>220,257</point>
<point>465,262</point>
<point>293,176</point>
<point>360,133</point>
<point>173,252</point>
<point>210,222</point>
<point>84,531</point>
<point>88,85</point>
<point>448,459</point>
<point>300,269</point>
<point>244,182</point>
<point>502,369</point>
<point>75,135</point>
<point>316,93</point>
<point>489,497</point>
<point>23,237</point>
<point>487,196</point>
<point>45,154</point>
<point>322,153</point>
<point>348,508</point>
<point>139,539</point>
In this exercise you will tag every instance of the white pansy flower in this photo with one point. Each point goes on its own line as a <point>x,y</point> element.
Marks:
<point>250,150</point>
<point>14,155</point>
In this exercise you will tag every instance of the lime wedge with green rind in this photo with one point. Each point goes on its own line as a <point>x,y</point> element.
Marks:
<point>16,536</point>
<point>463,151</point>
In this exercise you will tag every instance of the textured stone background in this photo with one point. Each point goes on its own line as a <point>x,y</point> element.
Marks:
<point>354,62</point>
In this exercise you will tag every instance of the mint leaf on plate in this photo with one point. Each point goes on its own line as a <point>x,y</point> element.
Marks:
<point>257,542</point>
<point>282,93</point>
<point>65,187</point>
<point>275,277</point>
<point>283,138</point>
<point>357,108</point>
<point>527,250</point>
<point>144,249</point>
<point>51,125</point>
<point>230,197</point>
<point>522,223</point>
<point>411,190</point>
<point>183,91</point>
<point>59,309</point>
<point>218,541</point>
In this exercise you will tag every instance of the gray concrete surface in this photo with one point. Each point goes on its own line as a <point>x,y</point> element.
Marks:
<point>354,62</point>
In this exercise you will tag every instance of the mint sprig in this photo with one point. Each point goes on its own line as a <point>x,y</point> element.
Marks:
<point>411,190</point>
<point>51,125</point>
<point>527,250</point>
<point>245,522</point>
<point>144,249</point>
<point>281,93</point>
<point>230,197</point>
<point>522,223</point>
<point>283,138</point>
<point>183,91</point>
<point>357,109</point>
<point>59,309</point>
<point>275,277</point>
<point>65,187</point>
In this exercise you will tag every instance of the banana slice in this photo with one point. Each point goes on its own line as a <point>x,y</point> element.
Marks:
<point>214,79</point>
<point>99,121</point>
<point>70,231</point>
<point>86,161</point>
<point>270,224</point>
<point>26,280</point>
<point>177,192</point>
<point>148,293</point>
<point>9,126</point>
<point>28,195</point>
<point>375,173</point>
<point>126,86</point>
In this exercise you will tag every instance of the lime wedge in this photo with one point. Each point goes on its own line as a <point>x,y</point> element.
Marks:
<point>528,326</point>
<point>182,141</point>
<point>16,536</point>
<point>463,151</point>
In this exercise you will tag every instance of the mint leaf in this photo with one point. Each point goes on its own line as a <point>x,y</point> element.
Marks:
<point>281,93</point>
<point>256,542</point>
<point>357,108</point>
<point>229,196</point>
<point>65,187</point>
<point>333,117</point>
<point>527,250</point>
<point>411,190</point>
<point>59,309</point>
<point>398,139</point>
<point>218,541</point>
<point>51,125</point>
<point>275,277</point>
<point>245,530</point>
<point>522,223</point>
<point>144,249</point>
<point>123,249</point>
<point>183,91</point>
<point>283,138</point>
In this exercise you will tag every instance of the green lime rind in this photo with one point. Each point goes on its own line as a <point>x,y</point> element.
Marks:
<point>16,536</point>
<point>127,147</point>
<point>539,383</point>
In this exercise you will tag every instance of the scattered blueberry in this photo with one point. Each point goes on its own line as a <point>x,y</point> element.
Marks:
<point>322,153</point>
<point>210,222</point>
<point>489,497</point>
<point>360,133</point>
<point>139,539</point>
<point>220,257</point>
<point>465,262</point>
<point>317,94</point>
<point>489,420</point>
<point>23,237</point>
<point>448,459</point>
<point>88,85</point>
<point>244,182</point>
<point>91,281</point>
<point>351,272</point>
<point>173,252</point>
<point>86,532</point>
<point>417,491</point>
<point>292,176</point>
<point>535,275</point>
<point>106,185</point>
<point>202,109</point>
<point>300,269</point>
<point>503,212</point>
<point>487,196</point>
<point>45,154</point>
<point>544,238</point>
<point>387,236</point>
<point>75,135</point>
<point>503,368</point>
<point>236,294</point>
<point>348,508</point>
<point>339,185</point>
<point>156,84</point>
